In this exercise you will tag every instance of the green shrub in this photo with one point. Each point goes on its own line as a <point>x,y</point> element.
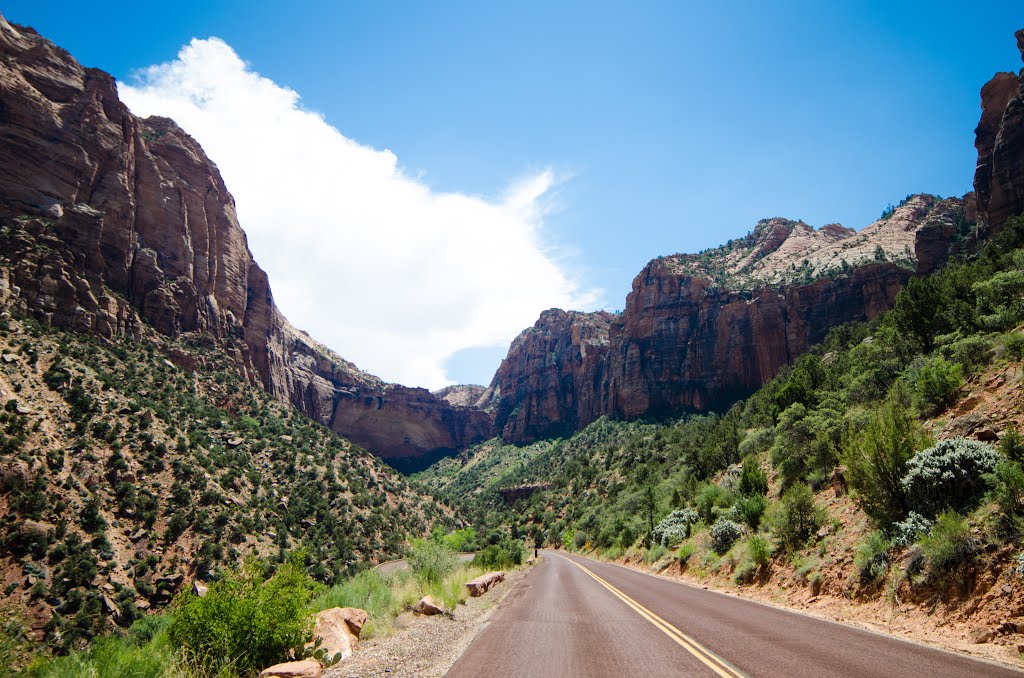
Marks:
<point>954,474</point>
<point>876,458</point>
<point>1012,443</point>
<point>430,562</point>
<point>753,479</point>
<point>949,545</point>
<point>710,497</point>
<point>796,517</point>
<point>675,527</point>
<point>1009,489</point>
<point>935,383</point>
<point>685,552</point>
<point>724,534</point>
<point>751,508</point>
<point>245,622</point>
<point>760,550</point>
<point>805,441</point>
<point>506,553</point>
<point>871,557</point>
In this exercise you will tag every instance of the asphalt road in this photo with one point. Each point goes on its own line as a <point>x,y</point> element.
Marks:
<point>579,617</point>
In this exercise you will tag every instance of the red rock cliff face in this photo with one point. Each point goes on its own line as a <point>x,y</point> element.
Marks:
<point>108,221</point>
<point>681,343</point>
<point>551,382</point>
<point>999,138</point>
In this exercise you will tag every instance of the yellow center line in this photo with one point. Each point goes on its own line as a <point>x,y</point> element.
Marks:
<point>710,659</point>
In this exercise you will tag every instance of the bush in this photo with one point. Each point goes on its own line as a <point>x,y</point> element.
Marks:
<point>1009,490</point>
<point>675,527</point>
<point>685,552</point>
<point>954,474</point>
<point>796,517</point>
<point>1012,444</point>
<point>907,531</point>
<point>949,545</point>
<point>935,383</point>
<point>750,509</point>
<point>876,458</point>
<point>506,553</point>
<point>871,557</point>
<point>724,534</point>
<point>753,479</point>
<point>245,622</point>
<point>760,550</point>
<point>430,562</point>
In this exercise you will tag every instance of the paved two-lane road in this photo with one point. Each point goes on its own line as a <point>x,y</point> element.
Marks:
<point>581,618</point>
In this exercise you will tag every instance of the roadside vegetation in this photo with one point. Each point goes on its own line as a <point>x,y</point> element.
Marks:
<point>767,484</point>
<point>262,613</point>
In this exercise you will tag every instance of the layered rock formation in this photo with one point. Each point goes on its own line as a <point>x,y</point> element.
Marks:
<point>999,139</point>
<point>699,331</point>
<point>109,221</point>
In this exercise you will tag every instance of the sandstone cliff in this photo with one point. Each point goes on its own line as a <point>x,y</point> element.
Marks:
<point>699,331</point>
<point>999,139</point>
<point>107,220</point>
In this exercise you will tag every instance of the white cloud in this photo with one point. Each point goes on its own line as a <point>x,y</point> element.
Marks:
<point>366,258</point>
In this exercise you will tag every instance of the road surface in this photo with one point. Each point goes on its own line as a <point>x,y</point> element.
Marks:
<point>581,618</point>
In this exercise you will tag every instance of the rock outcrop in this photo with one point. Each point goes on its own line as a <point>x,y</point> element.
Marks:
<point>699,331</point>
<point>999,139</point>
<point>108,221</point>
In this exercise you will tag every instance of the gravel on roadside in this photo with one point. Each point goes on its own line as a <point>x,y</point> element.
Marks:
<point>426,647</point>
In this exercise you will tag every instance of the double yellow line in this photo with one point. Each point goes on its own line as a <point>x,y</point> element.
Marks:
<point>712,661</point>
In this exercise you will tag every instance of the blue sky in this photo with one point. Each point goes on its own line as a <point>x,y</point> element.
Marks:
<point>665,126</point>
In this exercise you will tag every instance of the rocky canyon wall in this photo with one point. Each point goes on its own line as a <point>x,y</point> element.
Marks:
<point>108,221</point>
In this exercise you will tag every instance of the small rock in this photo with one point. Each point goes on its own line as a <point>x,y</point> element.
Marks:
<point>982,635</point>
<point>307,668</point>
<point>234,442</point>
<point>9,358</point>
<point>199,588</point>
<point>1007,589</point>
<point>428,606</point>
<point>286,439</point>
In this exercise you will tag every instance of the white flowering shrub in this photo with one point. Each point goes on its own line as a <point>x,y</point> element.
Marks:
<point>954,474</point>
<point>724,534</point>
<point>675,527</point>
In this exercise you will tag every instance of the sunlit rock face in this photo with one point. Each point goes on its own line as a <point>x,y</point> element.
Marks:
<point>110,221</point>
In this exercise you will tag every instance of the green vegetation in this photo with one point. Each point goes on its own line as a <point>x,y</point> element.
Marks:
<point>247,621</point>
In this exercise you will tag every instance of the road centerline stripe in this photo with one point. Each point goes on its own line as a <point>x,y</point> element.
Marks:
<point>706,656</point>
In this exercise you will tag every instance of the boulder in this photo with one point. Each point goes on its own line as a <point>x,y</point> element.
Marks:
<point>338,629</point>
<point>428,606</point>
<point>982,635</point>
<point>199,588</point>
<point>479,586</point>
<point>307,668</point>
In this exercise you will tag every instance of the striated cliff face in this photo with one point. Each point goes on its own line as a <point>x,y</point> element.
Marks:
<point>699,331</point>
<point>999,139</point>
<point>107,220</point>
<point>551,381</point>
